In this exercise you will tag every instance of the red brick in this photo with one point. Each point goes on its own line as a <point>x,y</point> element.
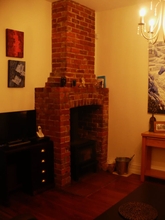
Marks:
<point>73,51</point>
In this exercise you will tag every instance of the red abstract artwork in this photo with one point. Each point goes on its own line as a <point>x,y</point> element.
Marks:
<point>14,43</point>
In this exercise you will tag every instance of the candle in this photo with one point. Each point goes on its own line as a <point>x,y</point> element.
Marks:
<point>151,25</point>
<point>142,13</point>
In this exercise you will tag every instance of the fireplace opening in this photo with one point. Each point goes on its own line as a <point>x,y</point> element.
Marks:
<point>83,147</point>
<point>84,122</point>
<point>74,125</point>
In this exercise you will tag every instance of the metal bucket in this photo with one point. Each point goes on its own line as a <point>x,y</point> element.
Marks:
<point>122,164</point>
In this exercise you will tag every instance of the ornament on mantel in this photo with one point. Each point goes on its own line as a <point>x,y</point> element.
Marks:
<point>63,81</point>
<point>82,82</point>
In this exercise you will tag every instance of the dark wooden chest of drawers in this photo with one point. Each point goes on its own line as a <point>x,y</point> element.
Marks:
<point>39,168</point>
<point>29,167</point>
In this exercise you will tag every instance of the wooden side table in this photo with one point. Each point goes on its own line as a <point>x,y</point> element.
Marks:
<point>151,140</point>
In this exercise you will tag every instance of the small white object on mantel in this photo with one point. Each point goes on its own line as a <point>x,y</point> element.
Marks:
<point>82,82</point>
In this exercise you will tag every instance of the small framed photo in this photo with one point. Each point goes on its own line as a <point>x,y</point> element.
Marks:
<point>159,126</point>
<point>16,74</point>
<point>101,81</point>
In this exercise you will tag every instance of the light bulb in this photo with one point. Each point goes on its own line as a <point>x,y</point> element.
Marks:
<point>151,25</point>
<point>151,22</point>
<point>142,12</point>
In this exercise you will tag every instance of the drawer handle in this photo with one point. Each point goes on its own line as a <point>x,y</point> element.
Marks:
<point>42,150</point>
<point>43,181</point>
<point>42,161</point>
<point>43,171</point>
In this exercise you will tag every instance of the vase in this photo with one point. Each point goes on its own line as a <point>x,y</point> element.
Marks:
<point>63,81</point>
<point>151,123</point>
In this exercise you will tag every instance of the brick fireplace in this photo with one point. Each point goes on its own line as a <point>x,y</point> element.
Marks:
<point>73,51</point>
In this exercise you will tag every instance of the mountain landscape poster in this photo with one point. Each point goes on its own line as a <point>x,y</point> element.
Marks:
<point>156,78</point>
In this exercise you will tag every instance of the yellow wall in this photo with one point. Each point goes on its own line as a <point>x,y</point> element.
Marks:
<point>122,56</point>
<point>33,17</point>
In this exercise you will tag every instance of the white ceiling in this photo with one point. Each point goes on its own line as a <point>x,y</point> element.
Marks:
<point>103,5</point>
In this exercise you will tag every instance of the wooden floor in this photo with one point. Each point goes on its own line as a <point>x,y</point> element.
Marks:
<point>82,200</point>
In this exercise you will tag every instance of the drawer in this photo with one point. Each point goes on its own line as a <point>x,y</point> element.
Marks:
<point>38,157</point>
<point>43,168</point>
<point>41,180</point>
<point>153,142</point>
<point>41,163</point>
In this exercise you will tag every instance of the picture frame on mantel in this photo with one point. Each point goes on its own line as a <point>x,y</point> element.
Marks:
<point>159,126</point>
<point>102,81</point>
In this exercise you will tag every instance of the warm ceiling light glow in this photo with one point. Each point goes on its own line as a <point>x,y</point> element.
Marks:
<point>142,12</point>
<point>151,29</point>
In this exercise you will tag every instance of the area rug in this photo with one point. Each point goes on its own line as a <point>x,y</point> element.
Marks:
<point>149,193</point>
<point>137,211</point>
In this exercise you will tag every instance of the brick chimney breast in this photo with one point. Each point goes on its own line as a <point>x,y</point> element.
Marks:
<point>73,43</point>
<point>73,55</point>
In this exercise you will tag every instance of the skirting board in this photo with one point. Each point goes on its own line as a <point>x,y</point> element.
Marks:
<point>134,168</point>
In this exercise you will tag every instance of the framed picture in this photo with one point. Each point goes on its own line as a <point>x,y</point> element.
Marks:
<point>156,82</point>
<point>14,43</point>
<point>101,81</point>
<point>16,74</point>
<point>159,126</point>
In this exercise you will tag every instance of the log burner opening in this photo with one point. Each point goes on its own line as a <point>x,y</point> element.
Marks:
<point>83,140</point>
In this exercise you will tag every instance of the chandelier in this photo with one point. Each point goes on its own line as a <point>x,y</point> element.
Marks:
<point>155,26</point>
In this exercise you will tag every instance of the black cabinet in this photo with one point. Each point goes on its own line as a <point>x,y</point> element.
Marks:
<point>29,167</point>
<point>38,172</point>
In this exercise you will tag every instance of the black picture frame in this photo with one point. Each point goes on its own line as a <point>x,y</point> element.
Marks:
<point>16,74</point>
